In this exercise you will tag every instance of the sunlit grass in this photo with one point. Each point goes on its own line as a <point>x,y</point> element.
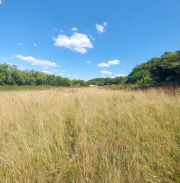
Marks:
<point>89,135</point>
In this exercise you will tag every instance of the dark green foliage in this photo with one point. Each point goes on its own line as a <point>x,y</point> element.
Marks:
<point>79,83</point>
<point>106,81</point>
<point>157,71</point>
<point>10,75</point>
<point>3,74</point>
<point>40,78</point>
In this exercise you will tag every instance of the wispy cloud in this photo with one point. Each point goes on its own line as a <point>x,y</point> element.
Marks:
<point>35,45</point>
<point>47,72</point>
<point>78,42</point>
<point>101,27</point>
<point>74,29</point>
<point>55,29</point>
<point>109,63</point>
<point>88,62</point>
<point>4,60</point>
<point>37,61</point>
<point>106,72</point>
<point>1,1</point>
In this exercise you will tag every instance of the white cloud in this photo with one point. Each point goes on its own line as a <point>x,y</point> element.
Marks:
<point>103,64</point>
<point>114,62</point>
<point>101,27</point>
<point>36,61</point>
<point>1,1</point>
<point>77,42</point>
<point>3,58</point>
<point>35,45</point>
<point>74,29</point>
<point>6,60</point>
<point>109,63</point>
<point>105,24</point>
<point>46,72</point>
<point>88,62</point>
<point>55,70</point>
<point>106,72</point>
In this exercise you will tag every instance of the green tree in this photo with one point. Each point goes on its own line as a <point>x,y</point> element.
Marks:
<point>158,71</point>
<point>3,73</point>
<point>40,78</point>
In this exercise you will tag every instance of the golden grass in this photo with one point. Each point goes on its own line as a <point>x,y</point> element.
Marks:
<point>89,135</point>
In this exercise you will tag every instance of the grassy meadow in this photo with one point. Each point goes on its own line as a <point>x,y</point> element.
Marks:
<point>89,135</point>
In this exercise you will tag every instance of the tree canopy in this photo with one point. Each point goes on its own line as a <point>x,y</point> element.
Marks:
<point>10,75</point>
<point>155,72</point>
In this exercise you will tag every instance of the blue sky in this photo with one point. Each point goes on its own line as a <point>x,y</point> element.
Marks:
<point>83,39</point>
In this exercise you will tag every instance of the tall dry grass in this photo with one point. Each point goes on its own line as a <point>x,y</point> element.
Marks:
<point>89,135</point>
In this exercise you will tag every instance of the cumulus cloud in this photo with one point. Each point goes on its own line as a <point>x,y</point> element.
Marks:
<point>78,42</point>
<point>109,63</point>
<point>75,29</point>
<point>106,72</point>
<point>36,61</point>
<point>103,64</point>
<point>101,27</point>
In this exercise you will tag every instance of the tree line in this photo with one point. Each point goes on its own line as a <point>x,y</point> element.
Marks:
<point>157,71</point>
<point>10,75</point>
